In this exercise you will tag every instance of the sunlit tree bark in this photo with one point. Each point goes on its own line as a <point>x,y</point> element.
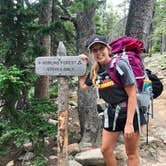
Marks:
<point>139,19</point>
<point>42,84</point>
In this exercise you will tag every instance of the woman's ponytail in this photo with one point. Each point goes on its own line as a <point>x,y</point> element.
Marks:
<point>94,72</point>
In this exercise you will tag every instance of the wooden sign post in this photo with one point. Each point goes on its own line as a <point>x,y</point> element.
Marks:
<point>61,66</point>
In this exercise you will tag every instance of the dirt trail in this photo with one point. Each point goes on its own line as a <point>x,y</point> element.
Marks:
<point>154,154</point>
<point>160,109</point>
<point>156,64</point>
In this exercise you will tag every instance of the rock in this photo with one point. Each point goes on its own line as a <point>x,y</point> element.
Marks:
<point>161,133</point>
<point>73,149</point>
<point>28,146</point>
<point>28,156</point>
<point>76,124</point>
<point>52,157</point>
<point>101,106</point>
<point>52,160</point>
<point>150,140</point>
<point>161,155</point>
<point>120,139</point>
<point>120,152</point>
<point>52,121</point>
<point>91,157</point>
<point>49,141</point>
<point>95,157</point>
<point>10,163</point>
<point>72,103</point>
<point>157,164</point>
<point>163,68</point>
<point>55,149</point>
<point>74,163</point>
<point>70,119</point>
<point>28,163</point>
<point>46,143</point>
<point>85,146</point>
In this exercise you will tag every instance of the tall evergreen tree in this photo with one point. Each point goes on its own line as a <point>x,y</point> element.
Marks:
<point>42,85</point>
<point>159,27</point>
<point>15,18</point>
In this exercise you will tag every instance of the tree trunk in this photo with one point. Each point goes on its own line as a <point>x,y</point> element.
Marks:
<point>163,44</point>
<point>139,19</point>
<point>87,105</point>
<point>42,85</point>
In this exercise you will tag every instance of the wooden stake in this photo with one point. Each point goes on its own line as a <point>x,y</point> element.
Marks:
<point>63,102</point>
<point>62,67</point>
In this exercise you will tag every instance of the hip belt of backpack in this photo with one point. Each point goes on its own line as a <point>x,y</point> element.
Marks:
<point>118,108</point>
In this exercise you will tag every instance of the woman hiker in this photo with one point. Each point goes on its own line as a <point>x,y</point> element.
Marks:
<point>126,120</point>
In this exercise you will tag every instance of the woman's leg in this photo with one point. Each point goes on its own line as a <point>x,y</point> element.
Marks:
<point>108,143</point>
<point>131,145</point>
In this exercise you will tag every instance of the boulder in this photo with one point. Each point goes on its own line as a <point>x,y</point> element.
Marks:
<point>74,163</point>
<point>91,157</point>
<point>73,149</point>
<point>10,163</point>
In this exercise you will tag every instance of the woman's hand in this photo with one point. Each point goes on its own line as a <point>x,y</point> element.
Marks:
<point>84,58</point>
<point>129,130</point>
<point>83,86</point>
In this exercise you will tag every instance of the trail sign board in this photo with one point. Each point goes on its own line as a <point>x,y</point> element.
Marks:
<point>60,66</point>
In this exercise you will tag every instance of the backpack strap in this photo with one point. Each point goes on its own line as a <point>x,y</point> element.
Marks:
<point>113,67</point>
<point>117,110</point>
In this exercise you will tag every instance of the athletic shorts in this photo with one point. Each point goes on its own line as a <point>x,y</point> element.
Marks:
<point>109,115</point>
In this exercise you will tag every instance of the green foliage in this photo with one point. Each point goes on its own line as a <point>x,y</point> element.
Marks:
<point>159,17</point>
<point>156,46</point>
<point>105,21</point>
<point>159,24</point>
<point>27,122</point>
<point>13,80</point>
<point>53,91</point>
<point>21,32</point>
<point>82,6</point>
<point>69,37</point>
<point>15,37</point>
<point>31,125</point>
<point>14,86</point>
<point>39,161</point>
<point>111,22</point>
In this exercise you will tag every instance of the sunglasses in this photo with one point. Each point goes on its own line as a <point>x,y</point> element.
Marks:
<point>96,49</point>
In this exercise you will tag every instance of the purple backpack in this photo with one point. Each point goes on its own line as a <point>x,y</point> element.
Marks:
<point>128,49</point>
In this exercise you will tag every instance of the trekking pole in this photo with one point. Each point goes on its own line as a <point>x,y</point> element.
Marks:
<point>147,128</point>
<point>152,115</point>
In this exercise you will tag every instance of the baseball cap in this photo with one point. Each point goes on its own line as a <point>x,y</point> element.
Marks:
<point>96,39</point>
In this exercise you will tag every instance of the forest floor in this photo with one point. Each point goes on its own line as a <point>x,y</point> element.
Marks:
<point>157,124</point>
<point>156,127</point>
<point>158,66</point>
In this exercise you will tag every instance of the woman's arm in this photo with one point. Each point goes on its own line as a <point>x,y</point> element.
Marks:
<point>83,86</point>
<point>131,92</point>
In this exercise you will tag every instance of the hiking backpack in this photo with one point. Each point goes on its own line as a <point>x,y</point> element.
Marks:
<point>129,50</point>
